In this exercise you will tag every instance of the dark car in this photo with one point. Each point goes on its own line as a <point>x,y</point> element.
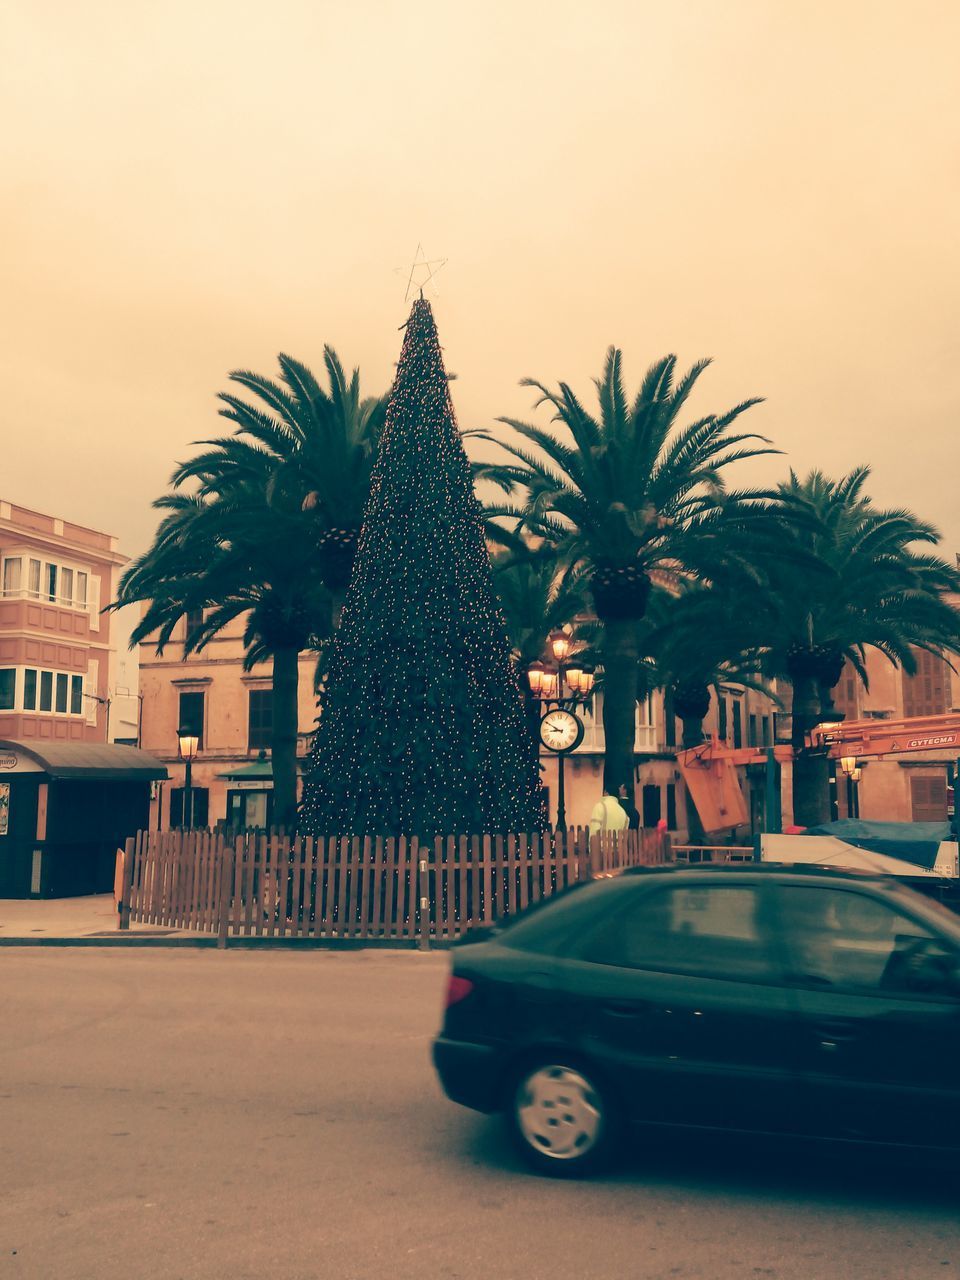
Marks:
<point>801,1003</point>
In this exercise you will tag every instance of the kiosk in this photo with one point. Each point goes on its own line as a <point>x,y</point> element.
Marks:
<point>65,809</point>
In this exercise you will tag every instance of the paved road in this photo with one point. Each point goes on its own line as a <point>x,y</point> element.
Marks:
<point>197,1115</point>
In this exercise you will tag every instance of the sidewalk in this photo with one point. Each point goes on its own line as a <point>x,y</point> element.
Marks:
<point>80,922</point>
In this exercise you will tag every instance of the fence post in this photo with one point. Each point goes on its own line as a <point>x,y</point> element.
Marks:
<point>424,894</point>
<point>226,889</point>
<point>127,883</point>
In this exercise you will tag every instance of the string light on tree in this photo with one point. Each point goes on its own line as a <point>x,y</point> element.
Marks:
<point>422,729</point>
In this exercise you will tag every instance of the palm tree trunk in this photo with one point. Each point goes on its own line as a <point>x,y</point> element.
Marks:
<point>621,670</point>
<point>692,732</point>
<point>286,674</point>
<point>811,773</point>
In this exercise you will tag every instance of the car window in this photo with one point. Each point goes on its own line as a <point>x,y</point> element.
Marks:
<point>544,927</point>
<point>712,931</point>
<point>853,941</point>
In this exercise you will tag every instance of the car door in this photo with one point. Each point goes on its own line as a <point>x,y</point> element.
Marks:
<point>680,998</point>
<point>879,1015</point>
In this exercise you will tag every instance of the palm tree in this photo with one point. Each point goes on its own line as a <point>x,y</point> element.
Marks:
<point>851,579</point>
<point>621,494</point>
<point>266,532</point>
<point>701,636</point>
<point>324,443</point>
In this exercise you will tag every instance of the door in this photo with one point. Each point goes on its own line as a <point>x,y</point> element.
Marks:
<point>681,997</point>
<point>879,1009</point>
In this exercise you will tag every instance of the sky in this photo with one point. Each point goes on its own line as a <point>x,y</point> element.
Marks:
<point>191,187</point>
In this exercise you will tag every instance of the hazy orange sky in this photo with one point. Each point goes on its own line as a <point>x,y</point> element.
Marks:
<point>189,188</point>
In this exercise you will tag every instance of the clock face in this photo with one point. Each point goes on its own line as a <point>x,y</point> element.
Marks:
<point>560,731</point>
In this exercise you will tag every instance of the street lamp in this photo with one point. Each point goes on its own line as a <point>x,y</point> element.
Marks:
<point>535,673</point>
<point>561,730</point>
<point>853,774</point>
<point>559,645</point>
<point>188,744</point>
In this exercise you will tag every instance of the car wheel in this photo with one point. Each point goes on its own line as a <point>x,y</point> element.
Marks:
<point>563,1121</point>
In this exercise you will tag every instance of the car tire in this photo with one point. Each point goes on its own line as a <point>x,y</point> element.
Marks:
<point>563,1120</point>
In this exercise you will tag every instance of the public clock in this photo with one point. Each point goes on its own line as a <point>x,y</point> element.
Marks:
<point>561,731</point>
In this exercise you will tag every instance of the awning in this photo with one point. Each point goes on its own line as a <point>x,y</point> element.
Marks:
<point>259,771</point>
<point>96,761</point>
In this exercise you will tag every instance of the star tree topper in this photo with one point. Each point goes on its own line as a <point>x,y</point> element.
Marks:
<point>422,272</point>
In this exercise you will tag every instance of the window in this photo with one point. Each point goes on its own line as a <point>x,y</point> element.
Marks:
<point>671,807</point>
<point>669,720</point>
<point>849,940</point>
<point>42,580</point>
<point>194,620</point>
<point>928,692</point>
<point>199,803</point>
<point>722,718</point>
<point>12,569</point>
<point>260,720</point>
<point>8,688</point>
<point>846,693</point>
<point>650,800</point>
<point>191,714</point>
<point>711,931</point>
<point>765,731</point>
<point>752,730</point>
<point>737,723</point>
<point>928,798</point>
<point>56,691</point>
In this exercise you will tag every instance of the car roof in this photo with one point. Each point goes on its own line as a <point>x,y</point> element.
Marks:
<point>777,870</point>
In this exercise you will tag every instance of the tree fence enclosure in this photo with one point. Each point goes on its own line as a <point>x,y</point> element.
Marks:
<point>368,888</point>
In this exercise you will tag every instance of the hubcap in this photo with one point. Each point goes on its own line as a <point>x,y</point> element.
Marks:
<point>559,1113</point>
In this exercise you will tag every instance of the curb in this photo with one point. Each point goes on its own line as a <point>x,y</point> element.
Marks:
<point>234,944</point>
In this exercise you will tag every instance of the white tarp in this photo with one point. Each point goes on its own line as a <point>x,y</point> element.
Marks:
<point>828,851</point>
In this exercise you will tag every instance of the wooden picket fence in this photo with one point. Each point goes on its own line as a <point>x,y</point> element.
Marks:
<point>393,888</point>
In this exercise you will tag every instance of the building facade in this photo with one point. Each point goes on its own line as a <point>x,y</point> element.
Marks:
<point>55,644</point>
<point>230,711</point>
<point>740,717</point>
<point>908,787</point>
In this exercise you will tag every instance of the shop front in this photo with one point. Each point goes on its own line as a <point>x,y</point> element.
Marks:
<point>65,809</point>
<point>249,796</point>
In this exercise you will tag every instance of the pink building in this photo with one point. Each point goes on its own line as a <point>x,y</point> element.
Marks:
<point>54,642</point>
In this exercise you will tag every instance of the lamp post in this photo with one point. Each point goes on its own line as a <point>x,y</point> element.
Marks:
<point>830,717</point>
<point>851,772</point>
<point>547,687</point>
<point>188,743</point>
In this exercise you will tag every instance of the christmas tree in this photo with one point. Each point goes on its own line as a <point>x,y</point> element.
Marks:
<point>421,728</point>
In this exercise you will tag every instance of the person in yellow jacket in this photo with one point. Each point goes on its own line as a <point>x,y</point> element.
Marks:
<point>608,815</point>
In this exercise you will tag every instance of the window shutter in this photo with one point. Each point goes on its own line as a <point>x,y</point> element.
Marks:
<point>928,692</point>
<point>90,682</point>
<point>928,799</point>
<point>94,602</point>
